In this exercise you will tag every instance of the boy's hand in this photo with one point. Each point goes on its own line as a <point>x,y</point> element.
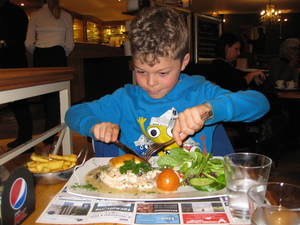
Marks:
<point>106,132</point>
<point>189,122</point>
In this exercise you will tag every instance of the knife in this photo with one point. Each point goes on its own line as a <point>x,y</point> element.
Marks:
<point>128,150</point>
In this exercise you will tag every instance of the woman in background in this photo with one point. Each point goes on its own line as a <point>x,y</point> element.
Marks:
<point>50,39</point>
<point>222,71</point>
<point>271,127</point>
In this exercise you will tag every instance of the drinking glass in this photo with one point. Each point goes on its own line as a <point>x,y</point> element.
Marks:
<point>274,204</point>
<point>242,171</point>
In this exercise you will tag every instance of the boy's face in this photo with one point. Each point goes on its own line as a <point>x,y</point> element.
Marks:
<point>161,78</point>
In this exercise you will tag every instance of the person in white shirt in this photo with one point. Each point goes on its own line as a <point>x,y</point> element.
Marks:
<point>50,39</point>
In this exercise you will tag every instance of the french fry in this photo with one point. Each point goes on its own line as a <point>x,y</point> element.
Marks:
<point>67,163</point>
<point>45,170</point>
<point>57,170</point>
<point>71,165</point>
<point>38,158</point>
<point>56,165</point>
<point>31,164</point>
<point>32,169</point>
<point>70,157</point>
<point>51,163</point>
<point>65,167</point>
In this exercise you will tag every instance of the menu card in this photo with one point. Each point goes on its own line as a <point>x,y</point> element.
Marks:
<point>71,209</point>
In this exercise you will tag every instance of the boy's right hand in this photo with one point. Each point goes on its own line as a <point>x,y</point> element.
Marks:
<point>189,122</point>
<point>106,132</point>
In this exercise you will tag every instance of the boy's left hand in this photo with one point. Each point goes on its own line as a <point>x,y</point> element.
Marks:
<point>189,122</point>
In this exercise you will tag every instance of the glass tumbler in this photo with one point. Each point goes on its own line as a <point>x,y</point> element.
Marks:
<point>274,203</point>
<point>242,171</point>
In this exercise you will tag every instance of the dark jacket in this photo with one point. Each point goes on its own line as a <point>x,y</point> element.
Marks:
<point>13,28</point>
<point>226,76</point>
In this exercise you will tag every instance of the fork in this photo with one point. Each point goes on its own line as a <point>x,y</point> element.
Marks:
<point>157,147</point>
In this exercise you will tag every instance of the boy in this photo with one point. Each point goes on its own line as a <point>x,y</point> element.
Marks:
<point>166,103</point>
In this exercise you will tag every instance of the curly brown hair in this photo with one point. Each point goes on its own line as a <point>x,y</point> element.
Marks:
<point>158,32</point>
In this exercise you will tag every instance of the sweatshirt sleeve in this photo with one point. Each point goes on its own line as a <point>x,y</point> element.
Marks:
<point>83,117</point>
<point>245,106</point>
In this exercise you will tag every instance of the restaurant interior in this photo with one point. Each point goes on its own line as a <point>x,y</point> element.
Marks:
<point>98,27</point>
<point>101,61</point>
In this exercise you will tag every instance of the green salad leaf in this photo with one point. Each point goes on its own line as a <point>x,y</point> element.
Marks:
<point>134,167</point>
<point>194,164</point>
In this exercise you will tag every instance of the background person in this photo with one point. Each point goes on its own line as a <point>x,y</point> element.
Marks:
<point>13,27</point>
<point>222,71</point>
<point>283,67</point>
<point>269,130</point>
<point>286,67</point>
<point>50,39</point>
<point>166,103</point>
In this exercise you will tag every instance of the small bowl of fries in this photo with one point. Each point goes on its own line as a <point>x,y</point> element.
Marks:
<point>53,169</point>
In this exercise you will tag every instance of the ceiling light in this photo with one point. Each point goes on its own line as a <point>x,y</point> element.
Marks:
<point>185,3</point>
<point>270,17</point>
<point>215,13</point>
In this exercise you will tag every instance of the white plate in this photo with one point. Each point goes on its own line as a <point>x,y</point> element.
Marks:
<point>183,193</point>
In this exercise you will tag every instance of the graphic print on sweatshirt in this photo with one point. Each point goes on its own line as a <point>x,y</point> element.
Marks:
<point>159,131</point>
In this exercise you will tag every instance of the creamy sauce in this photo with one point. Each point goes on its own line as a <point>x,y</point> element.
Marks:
<point>91,178</point>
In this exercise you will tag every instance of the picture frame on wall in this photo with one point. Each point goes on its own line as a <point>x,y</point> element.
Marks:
<point>207,32</point>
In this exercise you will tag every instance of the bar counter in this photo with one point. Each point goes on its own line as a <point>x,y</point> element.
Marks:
<point>76,61</point>
<point>82,51</point>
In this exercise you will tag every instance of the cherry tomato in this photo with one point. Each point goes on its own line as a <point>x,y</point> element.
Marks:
<point>168,180</point>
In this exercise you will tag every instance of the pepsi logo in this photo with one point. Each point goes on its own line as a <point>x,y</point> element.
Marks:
<point>18,193</point>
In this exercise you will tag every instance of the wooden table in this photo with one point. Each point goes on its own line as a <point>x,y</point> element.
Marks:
<point>293,94</point>
<point>43,196</point>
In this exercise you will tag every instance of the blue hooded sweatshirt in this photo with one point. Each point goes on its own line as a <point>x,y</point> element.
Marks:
<point>144,120</point>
